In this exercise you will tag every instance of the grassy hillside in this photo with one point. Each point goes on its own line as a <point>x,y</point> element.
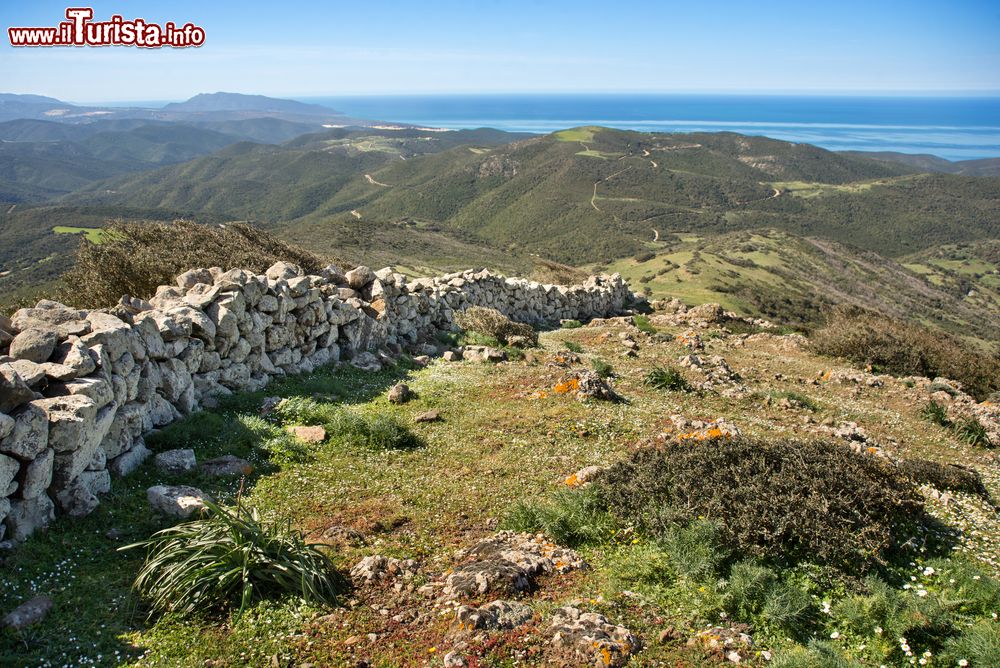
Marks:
<point>791,279</point>
<point>505,441</point>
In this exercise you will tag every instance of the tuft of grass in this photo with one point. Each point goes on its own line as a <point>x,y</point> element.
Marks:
<point>936,413</point>
<point>232,557</point>
<point>667,378</point>
<point>571,324</point>
<point>695,551</point>
<point>973,432</point>
<point>979,645</point>
<point>796,397</point>
<point>602,368</point>
<point>569,517</point>
<point>573,347</point>
<point>642,323</point>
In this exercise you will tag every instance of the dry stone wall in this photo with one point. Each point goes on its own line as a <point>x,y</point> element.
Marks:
<point>79,389</point>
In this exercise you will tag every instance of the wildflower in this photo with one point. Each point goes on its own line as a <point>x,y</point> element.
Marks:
<point>826,607</point>
<point>834,635</point>
<point>963,662</point>
<point>921,593</point>
<point>878,630</point>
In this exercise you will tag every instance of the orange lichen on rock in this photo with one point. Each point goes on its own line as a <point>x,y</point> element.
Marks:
<point>571,385</point>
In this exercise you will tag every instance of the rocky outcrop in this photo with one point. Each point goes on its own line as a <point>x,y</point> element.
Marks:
<point>79,389</point>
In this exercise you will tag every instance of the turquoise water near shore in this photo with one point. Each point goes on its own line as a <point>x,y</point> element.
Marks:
<point>957,128</point>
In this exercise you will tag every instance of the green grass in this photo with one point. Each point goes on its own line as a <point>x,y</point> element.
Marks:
<point>667,378</point>
<point>92,234</point>
<point>575,134</point>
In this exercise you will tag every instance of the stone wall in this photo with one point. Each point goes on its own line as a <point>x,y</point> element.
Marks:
<point>79,389</point>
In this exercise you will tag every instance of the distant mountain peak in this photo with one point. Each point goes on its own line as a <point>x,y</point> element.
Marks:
<point>222,101</point>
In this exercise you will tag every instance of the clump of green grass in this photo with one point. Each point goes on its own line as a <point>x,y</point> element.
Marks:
<point>570,517</point>
<point>375,428</point>
<point>602,368</point>
<point>796,397</point>
<point>755,592</point>
<point>936,413</point>
<point>573,346</point>
<point>571,324</point>
<point>643,324</point>
<point>232,557</point>
<point>667,378</point>
<point>978,645</point>
<point>973,432</point>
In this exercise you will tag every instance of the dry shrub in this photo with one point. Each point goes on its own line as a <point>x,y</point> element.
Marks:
<point>944,476</point>
<point>783,499</point>
<point>492,322</point>
<point>904,348</point>
<point>136,258</point>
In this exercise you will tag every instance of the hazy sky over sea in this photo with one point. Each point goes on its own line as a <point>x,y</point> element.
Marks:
<point>296,48</point>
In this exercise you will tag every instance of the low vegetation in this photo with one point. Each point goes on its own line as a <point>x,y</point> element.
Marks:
<point>232,557</point>
<point>135,258</point>
<point>493,323</point>
<point>901,348</point>
<point>667,378</point>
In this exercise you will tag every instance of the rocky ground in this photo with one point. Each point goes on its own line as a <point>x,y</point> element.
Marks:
<point>436,580</point>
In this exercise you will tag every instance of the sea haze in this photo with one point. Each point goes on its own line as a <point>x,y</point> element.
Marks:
<point>957,128</point>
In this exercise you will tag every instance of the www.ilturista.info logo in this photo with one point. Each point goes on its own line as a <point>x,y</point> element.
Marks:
<point>80,30</point>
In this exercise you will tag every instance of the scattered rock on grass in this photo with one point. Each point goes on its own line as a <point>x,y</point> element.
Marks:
<point>592,386</point>
<point>175,462</point>
<point>507,564</point>
<point>379,568</point>
<point>584,476</point>
<point>494,616</point>
<point>482,354</point>
<point>28,613</point>
<point>731,643</point>
<point>429,416</point>
<point>177,500</point>
<point>590,637</point>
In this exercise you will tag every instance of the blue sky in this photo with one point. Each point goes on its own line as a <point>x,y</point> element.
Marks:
<point>301,49</point>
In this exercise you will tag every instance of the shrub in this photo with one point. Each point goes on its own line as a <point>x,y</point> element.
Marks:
<point>753,593</point>
<point>944,476</point>
<point>974,433</point>
<point>979,645</point>
<point>492,322</point>
<point>644,256</point>
<point>570,517</point>
<point>602,368</point>
<point>936,413</point>
<point>573,347</point>
<point>695,550</point>
<point>796,397</point>
<point>904,348</point>
<point>136,258</point>
<point>232,556</point>
<point>818,654</point>
<point>571,324</point>
<point>786,499</point>
<point>667,378</point>
<point>643,324</point>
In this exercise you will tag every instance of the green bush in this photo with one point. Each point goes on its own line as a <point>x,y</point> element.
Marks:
<point>136,258</point>
<point>754,593</point>
<point>979,645</point>
<point>492,322</point>
<point>602,368</point>
<point>573,347</point>
<point>936,413</point>
<point>571,324</point>
<point>667,378</point>
<point>904,349</point>
<point>695,550</point>
<point>230,557</point>
<point>944,476</point>
<point>787,500</point>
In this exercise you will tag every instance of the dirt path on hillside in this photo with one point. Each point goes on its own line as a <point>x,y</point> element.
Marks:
<point>368,177</point>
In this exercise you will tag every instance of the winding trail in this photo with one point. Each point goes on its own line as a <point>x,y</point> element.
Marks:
<point>656,234</point>
<point>593,198</point>
<point>368,177</point>
<point>355,214</point>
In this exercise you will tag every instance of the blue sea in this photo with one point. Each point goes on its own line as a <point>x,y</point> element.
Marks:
<point>957,128</point>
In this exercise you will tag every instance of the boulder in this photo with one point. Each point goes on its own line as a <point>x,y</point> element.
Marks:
<point>37,475</point>
<point>129,461</point>
<point>28,515</point>
<point>359,277</point>
<point>29,434</point>
<point>13,390</point>
<point>26,614</point>
<point>175,462</point>
<point>308,434</point>
<point>8,472</point>
<point>178,501</point>
<point>283,271</point>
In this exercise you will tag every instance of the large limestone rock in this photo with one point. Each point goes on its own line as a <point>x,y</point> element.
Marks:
<point>177,501</point>
<point>13,390</point>
<point>29,433</point>
<point>28,515</point>
<point>34,345</point>
<point>175,462</point>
